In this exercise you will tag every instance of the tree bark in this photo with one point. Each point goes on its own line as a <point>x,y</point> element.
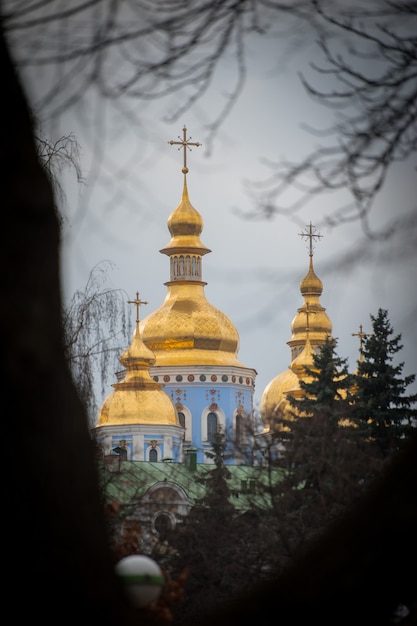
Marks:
<point>58,559</point>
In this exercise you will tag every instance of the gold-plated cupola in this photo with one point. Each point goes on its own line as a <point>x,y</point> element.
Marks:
<point>186,329</point>
<point>310,328</point>
<point>319,324</point>
<point>137,398</point>
<point>304,361</point>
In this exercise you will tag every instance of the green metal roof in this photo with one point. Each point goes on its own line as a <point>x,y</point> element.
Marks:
<point>247,484</point>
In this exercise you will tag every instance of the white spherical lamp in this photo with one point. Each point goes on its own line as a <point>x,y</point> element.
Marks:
<point>142,578</point>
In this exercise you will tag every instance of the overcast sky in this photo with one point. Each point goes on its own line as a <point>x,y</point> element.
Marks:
<point>255,267</point>
<point>253,273</point>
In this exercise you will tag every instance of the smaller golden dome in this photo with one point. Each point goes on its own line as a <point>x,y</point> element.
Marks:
<point>311,315</point>
<point>137,406</point>
<point>311,285</point>
<point>137,399</point>
<point>185,225</point>
<point>274,394</point>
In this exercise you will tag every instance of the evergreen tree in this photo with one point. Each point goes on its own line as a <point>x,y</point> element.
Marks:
<point>324,466</point>
<point>326,388</point>
<point>386,416</point>
<point>211,543</point>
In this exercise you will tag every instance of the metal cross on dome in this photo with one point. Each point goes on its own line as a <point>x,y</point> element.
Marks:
<point>312,235</point>
<point>361,336</point>
<point>137,301</point>
<point>184,143</point>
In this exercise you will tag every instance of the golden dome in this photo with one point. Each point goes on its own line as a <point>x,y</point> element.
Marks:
<point>318,323</point>
<point>274,405</point>
<point>275,394</point>
<point>130,406</point>
<point>137,399</point>
<point>311,285</point>
<point>185,225</point>
<point>310,328</point>
<point>186,329</point>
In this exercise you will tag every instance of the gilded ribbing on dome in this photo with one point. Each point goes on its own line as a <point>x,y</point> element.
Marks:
<point>186,329</point>
<point>137,398</point>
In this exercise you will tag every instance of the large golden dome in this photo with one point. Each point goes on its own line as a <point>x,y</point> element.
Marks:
<point>186,329</point>
<point>137,399</point>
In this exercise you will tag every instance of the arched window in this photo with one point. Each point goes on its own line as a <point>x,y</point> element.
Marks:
<point>184,418</point>
<point>181,418</point>
<point>211,426</point>
<point>153,455</point>
<point>162,524</point>
<point>239,428</point>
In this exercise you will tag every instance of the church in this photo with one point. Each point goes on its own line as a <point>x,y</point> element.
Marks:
<point>182,382</point>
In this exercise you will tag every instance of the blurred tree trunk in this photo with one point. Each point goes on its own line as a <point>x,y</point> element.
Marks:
<point>57,558</point>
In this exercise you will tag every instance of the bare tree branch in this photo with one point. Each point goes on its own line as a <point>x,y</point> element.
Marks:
<point>375,113</point>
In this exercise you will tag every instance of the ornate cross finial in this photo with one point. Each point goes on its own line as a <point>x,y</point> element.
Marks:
<point>137,301</point>
<point>184,143</point>
<point>361,336</point>
<point>311,233</point>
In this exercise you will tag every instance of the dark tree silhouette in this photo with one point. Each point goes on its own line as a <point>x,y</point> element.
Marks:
<point>325,469</point>
<point>340,576</point>
<point>213,543</point>
<point>326,389</point>
<point>56,530</point>
<point>57,156</point>
<point>383,410</point>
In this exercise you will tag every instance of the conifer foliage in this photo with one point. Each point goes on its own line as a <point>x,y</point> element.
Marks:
<point>385,414</point>
<point>326,390</point>
<point>211,544</point>
<point>342,428</point>
<point>322,462</point>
